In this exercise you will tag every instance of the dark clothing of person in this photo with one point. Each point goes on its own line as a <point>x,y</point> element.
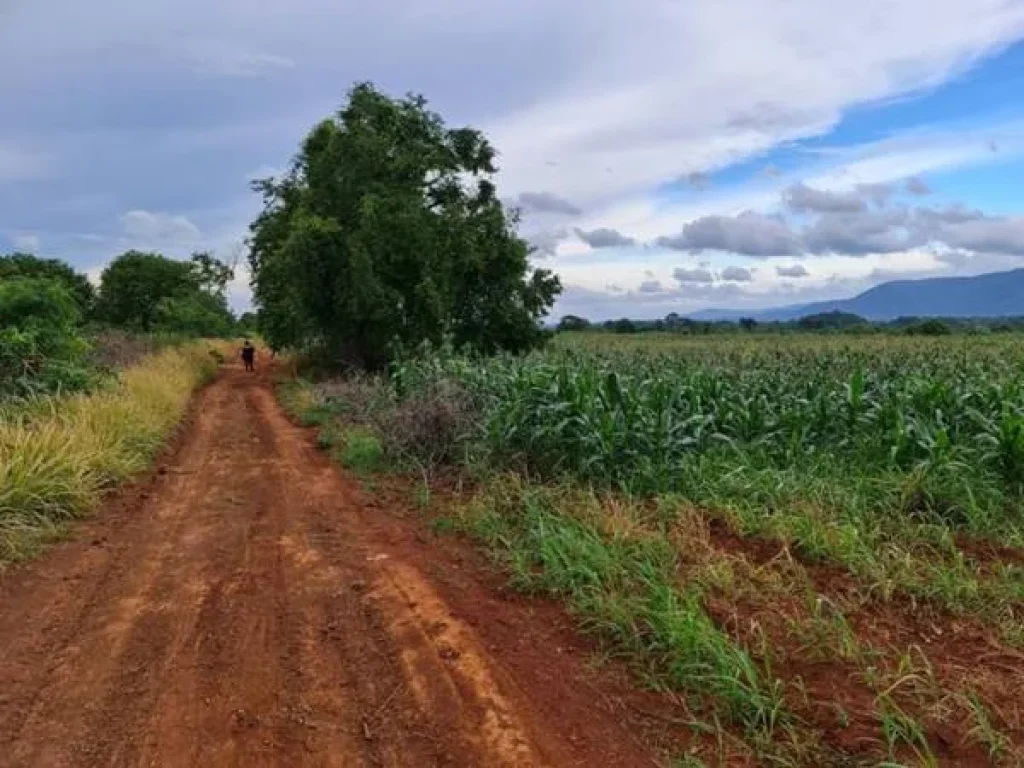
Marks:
<point>248,357</point>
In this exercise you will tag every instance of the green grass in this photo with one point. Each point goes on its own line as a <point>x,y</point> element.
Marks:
<point>623,589</point>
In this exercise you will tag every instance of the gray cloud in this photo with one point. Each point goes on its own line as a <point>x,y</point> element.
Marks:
<point>545,244</point>
<point>794,270</point>
<point>651,286</point>
<point>917,186</point>
<point>801,198</point>
<point>604,238</point>
<point>546,202</point>
<point>988,234</point>
<point>933,218</point>
<point>861,233</point>
<point>698,275</point>
<point>749,233</point>
<point>879,194</point>
<point>737,274</point>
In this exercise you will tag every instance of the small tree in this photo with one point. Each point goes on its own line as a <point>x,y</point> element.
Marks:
<point>133,285</point>
<point>573,323</point>
<point>387,232</point>
<point>142,290</point>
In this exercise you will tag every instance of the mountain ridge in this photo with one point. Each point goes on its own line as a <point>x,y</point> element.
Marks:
<point>994,294</point>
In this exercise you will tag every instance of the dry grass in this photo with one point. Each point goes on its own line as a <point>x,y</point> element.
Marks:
<point>58,455</point>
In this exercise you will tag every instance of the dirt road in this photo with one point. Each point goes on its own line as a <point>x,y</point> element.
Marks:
<point>249,606</point>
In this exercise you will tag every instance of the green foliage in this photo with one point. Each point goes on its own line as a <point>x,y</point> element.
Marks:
<point>831,321</point>
<point>573,323</point>
<point>624,325</point>
<point>387,231</point>
<point>148,291</point>
<point>40,348</point>
<point>193,314</point>
<point>932,327</point>
<point>26,265</point>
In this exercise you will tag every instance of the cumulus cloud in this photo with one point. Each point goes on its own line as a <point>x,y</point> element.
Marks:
<point>158,226</point>
<point>604,238</point>
<point>917,186</point>
<point>749,233</point>
<point>884,230</point>
<point>860,233</point>
<point>801,198</point>
<point>877,193</point>
<point>651,286</point>
<point>988,234</point>
<point>546,202</point>
<point>737,274</point>
<point>793,270</point>
<point>696,275</point>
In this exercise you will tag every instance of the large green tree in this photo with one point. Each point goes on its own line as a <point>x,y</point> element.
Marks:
<point>387,231</point>
<point>25,265</point>
<point>146,291</point>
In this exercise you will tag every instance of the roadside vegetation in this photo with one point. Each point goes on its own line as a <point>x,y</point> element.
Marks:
<point>92,382</point>
<point>818,540</point>
<point>809,536</point>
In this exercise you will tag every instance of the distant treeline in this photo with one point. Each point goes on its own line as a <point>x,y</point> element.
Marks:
<point>825,322</point>
<point>53,320</point>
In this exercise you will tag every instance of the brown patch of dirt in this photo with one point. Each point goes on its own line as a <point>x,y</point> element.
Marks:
<point>989,552</point>
<point>247,606</point>
<point>942,653</point>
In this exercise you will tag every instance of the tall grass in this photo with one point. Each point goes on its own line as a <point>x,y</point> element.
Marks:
<point>58,455</point>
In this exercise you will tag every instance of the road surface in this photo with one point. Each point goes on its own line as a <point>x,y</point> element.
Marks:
<point>249,605</point>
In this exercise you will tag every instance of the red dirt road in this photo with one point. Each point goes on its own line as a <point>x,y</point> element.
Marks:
<point>247,607</point>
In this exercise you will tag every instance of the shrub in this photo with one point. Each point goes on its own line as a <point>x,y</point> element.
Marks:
<point>40,347</point>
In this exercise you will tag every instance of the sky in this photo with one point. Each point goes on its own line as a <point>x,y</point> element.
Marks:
<point>666,155</point>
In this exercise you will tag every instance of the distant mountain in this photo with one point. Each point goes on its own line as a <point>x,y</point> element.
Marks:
<point>997,294</point>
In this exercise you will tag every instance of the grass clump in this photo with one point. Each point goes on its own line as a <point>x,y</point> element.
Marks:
<point>623,588</point>
<point>58,455</point>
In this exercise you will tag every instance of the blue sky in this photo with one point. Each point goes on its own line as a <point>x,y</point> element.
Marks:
<point>667,156</point>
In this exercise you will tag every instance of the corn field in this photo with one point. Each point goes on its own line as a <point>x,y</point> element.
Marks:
<point>932,427</point>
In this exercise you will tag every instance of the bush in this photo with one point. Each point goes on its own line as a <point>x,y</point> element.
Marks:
<point>40,347</point>
<point>430,426</point>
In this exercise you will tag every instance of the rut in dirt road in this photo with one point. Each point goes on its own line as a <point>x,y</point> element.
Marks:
<point>245,608</point>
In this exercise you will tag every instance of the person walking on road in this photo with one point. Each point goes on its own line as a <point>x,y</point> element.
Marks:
<point>249,356</point>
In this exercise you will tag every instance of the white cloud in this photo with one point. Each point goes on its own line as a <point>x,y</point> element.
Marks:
<point>159,227</point>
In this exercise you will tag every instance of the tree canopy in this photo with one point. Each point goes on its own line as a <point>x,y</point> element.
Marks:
<point>387,232</point>
<point>26,265</point>
<point>146,290</point>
